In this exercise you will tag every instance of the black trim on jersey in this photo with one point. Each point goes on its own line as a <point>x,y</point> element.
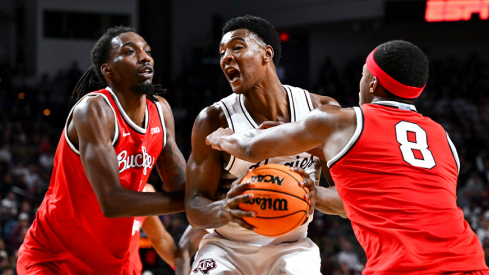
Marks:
<point>453,155</point>
<point>291,104</point>
<point>162,121</point>
<point>232,128</point>
<point>232,163</point>
<point>229,115</point>
<point>245,112</point>
<point>354,143</point>
<point>125,120</point>
<point>308,100</point>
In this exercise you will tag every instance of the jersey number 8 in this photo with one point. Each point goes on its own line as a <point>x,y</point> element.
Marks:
<point>414,145</point>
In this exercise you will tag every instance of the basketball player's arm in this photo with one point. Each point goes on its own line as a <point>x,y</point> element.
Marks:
<point>204,169</point>
<point>161,240</point>
<point>328,200</point>
<point>94,124</point>
<point>283,140</point>
<point>171,163</point>
<point>187,246</point>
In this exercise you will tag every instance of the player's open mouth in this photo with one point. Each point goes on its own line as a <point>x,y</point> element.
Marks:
<point>232,74</point>
<point>146,71</point>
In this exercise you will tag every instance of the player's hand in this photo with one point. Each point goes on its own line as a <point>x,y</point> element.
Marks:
<point>233,198</point>
<point>213,138</point>
<point>270,124</point>
<point>309,183</point>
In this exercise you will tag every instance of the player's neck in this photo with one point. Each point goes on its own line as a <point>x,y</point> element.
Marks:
<point>133,103</point>
<point>268,101</point>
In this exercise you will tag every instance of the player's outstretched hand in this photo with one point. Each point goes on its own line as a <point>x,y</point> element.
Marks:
<point>309,183</point>
<point>213,138</point>
<point>233,198</point>
<point>270,124</point>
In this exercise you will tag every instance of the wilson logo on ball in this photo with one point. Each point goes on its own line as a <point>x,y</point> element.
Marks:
<point>268,203</point>
<point>267,178</point>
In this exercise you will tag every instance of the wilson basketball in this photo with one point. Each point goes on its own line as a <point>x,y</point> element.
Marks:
<point>278,200</point>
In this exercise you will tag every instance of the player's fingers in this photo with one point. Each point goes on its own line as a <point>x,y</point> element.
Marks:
<point>238,189</point>
<point>300,171</point>
<point>244,224</point>
<point>232,203</point>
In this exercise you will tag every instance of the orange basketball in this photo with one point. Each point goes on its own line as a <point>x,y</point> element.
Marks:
<point>278,200</point>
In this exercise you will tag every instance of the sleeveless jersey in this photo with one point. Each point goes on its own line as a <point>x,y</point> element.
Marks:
<point>70,226</point>
<point>397,178</point>
<point>240,120</point>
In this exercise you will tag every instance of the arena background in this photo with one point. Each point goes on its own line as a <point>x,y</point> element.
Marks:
<point>45,47</point>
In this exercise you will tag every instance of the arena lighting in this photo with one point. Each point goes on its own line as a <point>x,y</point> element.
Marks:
<point>456,10</point>
<point>284,36</point>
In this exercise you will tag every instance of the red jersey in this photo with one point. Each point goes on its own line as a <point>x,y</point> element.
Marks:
<point>70,227</point>
<point>135,259</point>
<point>397,177</point>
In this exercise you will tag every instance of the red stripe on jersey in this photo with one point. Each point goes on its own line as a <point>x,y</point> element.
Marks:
<point>70,225</point>
<point>398,191</point>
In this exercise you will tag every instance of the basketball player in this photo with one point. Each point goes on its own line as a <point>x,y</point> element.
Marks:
<point>250,52</point>
<point>112,139</point>
<point>395,169</point>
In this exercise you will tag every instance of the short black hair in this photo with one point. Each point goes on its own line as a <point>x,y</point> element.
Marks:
<point>403,61</point>
<point>259,26</point>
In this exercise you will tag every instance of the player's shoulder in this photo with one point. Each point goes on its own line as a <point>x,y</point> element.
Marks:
<point>320,100</point>
<point>211,117</point>
<point>93,103</point>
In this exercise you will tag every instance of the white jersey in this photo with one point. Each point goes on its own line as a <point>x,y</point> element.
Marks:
<point>240,120</point>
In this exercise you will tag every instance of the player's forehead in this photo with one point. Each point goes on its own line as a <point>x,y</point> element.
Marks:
<point>243,35</point>
<point>128,38</point>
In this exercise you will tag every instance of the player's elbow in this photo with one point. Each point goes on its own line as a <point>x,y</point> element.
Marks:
<point>110,210</point>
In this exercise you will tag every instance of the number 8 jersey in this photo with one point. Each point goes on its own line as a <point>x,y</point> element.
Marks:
<point>397,177</point>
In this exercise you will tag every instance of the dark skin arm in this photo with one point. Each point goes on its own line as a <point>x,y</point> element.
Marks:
<point>328,124</point>
<point>161,240</point>
<point>204,170</point>
<point>92,130</point>
<point>187,246</point>
<point>171,163</point>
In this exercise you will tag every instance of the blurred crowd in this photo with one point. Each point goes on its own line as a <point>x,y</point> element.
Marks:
<point>33,113</point>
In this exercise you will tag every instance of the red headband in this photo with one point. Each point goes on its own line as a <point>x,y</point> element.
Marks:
<point>390,83</point>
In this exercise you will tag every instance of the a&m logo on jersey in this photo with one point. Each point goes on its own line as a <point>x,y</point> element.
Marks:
<point>205,266</point>
<point>143,159</point>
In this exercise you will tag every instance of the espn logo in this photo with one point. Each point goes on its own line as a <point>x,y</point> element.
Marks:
<point>155,130</point>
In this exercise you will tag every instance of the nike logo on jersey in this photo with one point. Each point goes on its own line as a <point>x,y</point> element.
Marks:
<point>125,134</point>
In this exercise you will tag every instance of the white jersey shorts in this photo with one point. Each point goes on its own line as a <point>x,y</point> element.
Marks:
<point>218,255</point>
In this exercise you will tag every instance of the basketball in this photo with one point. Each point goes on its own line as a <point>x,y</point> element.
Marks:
<point>278,200</point>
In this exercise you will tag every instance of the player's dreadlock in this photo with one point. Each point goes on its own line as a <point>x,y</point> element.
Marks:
<point>93,79</point>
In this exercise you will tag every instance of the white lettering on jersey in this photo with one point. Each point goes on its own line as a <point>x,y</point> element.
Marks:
<point>155,130</point>
<point>136,226</point>
<point>143,159</point>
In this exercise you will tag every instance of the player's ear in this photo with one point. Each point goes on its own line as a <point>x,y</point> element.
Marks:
<point>269,53</point>
<point>373,85</point>
<point>105,69</point>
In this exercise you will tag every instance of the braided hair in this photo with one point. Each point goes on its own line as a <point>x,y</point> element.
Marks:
<point>93,79</point>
